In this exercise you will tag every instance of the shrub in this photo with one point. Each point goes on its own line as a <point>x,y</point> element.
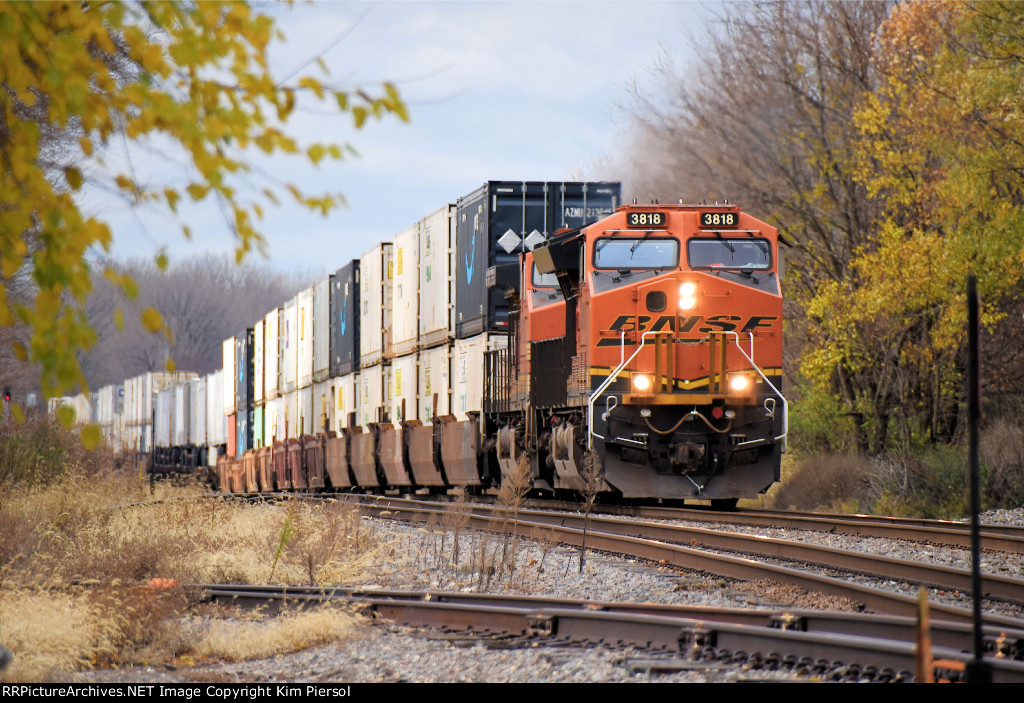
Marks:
<point>834,482</point>
<point>1001,450</point>
<point>40,450</point>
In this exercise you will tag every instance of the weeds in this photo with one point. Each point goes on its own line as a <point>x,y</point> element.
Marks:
<point>930,482</point>
<point>103,530</point>
<point>825,482</point>
<point>457,518</point>
<point>1002,455</point>
<point>591,482</point>
<point>40,451</point>
<point>283,538</point>
<point>264,636</point>
<point>511,495</point>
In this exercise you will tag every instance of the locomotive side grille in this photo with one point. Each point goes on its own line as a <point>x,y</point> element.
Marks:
<point>499,384</point>
<point>548,373</point>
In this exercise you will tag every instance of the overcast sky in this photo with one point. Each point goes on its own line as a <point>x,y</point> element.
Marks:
<point>495,90</point>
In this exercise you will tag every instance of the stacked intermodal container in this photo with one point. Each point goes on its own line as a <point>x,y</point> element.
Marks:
<point>216,421</point>
<point>385,345</point>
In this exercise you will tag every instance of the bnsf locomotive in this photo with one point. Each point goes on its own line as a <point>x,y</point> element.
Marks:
<point>652,340</point>
<point>541,327</point>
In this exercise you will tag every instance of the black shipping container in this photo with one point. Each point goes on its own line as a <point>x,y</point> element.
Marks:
<point>245,347</point>
<point>576,204</point>
<point>345,320</point>
<point>483,216</point>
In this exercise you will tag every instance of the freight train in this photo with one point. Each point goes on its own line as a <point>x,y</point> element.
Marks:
<point>631,350</point>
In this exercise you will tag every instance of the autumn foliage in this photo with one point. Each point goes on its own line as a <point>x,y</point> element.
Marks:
<point>886,142</point>
<point>76,76</point>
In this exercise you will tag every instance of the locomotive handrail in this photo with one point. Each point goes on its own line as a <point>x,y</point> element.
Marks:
<point>607,382</point>
<point>623,364</point>
<point>785,405</point>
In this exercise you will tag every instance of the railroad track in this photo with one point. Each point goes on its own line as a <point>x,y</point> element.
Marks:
<point>1000,538</point>
<point>687,547</point>
<point>1003,538</point>
<point>690,548</point>
<point>828,645</point>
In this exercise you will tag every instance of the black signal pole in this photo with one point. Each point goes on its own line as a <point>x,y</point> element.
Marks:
<point>978,671</point>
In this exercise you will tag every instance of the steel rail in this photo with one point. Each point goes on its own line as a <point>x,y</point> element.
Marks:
<point>993,585</point>
<point>740,568</point>
<point>940,576</point>
<point>1002,538</point>
<point>696,638</point>
<point>1001,642</point>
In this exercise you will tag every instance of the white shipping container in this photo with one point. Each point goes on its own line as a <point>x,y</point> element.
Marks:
<point>322,329</point>
<point>289,345</point>
<point>468,371</point>
<point>259,419</point>
<point>304,425</point>
<point>375,273</point>
<point>163,414</point>
<point>180,435</point>
<point>405,291</point>
<point>53,404</point>
<point>374,394</point>
<point>323,401</point>
<point>346,401</point>
<point>258,345</point>
<point>437,282</point>
<point>289,425</point>
<point>82,403</point>
<point>197,412</point>
<point>304,352</point>
<point>216,420</point>
<point>135,403</point>
<point>228,391</point>
<point>132,438</point>
<point>404,388</point>
<point>435,375</point>
<point>272,410</point>
<point>106,404</point>
<point>120,439</point>
<point>271,354</point>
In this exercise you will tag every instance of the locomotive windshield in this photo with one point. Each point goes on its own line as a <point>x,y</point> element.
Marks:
<point>750,254</point>
<point>623,253</point>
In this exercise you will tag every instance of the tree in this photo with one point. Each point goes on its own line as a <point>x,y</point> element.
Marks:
<point>765,119</point>
<point>941,150</point>
<point>203,301</point>
<point>74,77</point>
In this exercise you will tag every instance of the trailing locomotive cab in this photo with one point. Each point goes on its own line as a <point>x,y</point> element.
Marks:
<point>670,374</point>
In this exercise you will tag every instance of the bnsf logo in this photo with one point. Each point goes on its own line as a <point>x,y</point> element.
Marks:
<point>691,323</point>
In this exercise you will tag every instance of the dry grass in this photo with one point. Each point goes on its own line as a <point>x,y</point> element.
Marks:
<point>54,630</point>
<point>265,636</point>
<point>72,548</point>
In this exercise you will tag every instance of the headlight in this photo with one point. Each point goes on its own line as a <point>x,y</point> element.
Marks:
<point>739,383</point>
<point>687,295</point>
<point>642,383</point>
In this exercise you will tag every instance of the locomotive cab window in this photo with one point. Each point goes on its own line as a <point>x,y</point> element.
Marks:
<point>746,254</point>
<point>625,253</point>
<point>544,280</point>
<point>545,288</point>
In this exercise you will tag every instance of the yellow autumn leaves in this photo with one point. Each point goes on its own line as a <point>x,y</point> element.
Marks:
<point>74,76</point>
